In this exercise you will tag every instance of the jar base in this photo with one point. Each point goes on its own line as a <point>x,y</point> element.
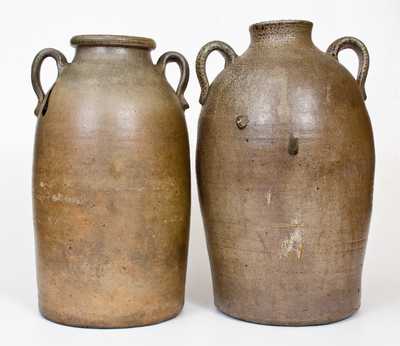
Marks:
<point>288,323</point>
<point>79,323</point>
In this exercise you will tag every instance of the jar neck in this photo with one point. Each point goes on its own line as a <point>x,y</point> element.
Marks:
<point>281,33</point>
<point>112,54</point>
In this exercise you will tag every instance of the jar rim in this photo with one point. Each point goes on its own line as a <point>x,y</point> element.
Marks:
<point>283,22</point>
<point>113,41</point>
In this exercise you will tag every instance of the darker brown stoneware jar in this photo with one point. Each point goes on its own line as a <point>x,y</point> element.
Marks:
<point>285,166</point>
<point>111,185</point>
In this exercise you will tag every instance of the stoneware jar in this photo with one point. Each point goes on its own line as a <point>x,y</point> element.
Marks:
<point>111,185</point>
<point>285,165</point>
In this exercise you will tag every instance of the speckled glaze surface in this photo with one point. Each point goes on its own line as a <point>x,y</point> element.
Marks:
<point>111,185</point>
<point>285,168</point>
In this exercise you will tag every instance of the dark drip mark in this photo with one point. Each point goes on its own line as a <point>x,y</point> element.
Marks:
<point>293,147</point>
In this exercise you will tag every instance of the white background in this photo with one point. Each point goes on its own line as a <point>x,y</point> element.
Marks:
<point>27,27</point>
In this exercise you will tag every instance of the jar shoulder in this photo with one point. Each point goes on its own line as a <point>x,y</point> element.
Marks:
<point>117,90</point>
<point>113,79</point>
<point>270,98</point>
<point>267,75</point>
<point>87,99</point>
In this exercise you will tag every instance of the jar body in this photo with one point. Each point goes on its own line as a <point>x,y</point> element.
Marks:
<point>111,192</point>
<point>285,165</point>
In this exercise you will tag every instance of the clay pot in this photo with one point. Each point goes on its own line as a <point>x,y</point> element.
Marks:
<point>111,185</point>
<point>285,166</point>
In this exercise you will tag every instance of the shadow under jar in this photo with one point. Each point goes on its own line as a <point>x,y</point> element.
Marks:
<point>111,185</point>
<point>285,168</point>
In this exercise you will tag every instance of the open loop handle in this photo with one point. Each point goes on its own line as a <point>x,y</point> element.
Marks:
<point>225,50</point>
<point>363,57</point>
<point>35,72</point>
<point>183,66</point>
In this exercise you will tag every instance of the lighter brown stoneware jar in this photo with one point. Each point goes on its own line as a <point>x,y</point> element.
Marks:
<point>285,166</point>
<point>111,185</point>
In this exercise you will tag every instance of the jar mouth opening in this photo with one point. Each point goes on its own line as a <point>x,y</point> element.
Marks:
<point>113,41</point>
<point>285,23</point>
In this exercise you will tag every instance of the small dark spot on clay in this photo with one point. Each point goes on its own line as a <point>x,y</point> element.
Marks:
<point>69,247</point>
<point>246,265</point>
<point>123,268</point>
<point>317,188</point>
<point>103,225</point>
<point>247,140</point>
